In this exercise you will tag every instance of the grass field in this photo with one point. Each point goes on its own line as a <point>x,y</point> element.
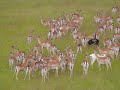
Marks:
<point>19,17</point>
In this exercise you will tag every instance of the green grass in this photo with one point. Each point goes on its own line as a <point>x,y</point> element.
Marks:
<point>19,17</point>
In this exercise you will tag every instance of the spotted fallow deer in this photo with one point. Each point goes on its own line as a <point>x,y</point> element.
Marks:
<point>43,44</point>
<point>108,51</point>
<point>103,60</point>
<point>20,67</point>
<point>85,66</point>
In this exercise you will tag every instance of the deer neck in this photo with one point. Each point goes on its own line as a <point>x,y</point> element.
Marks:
<point>42,21</point>
<point>25,63</point>
<point>39,41</point>
<point>96,54</point>
<point>99,49</point>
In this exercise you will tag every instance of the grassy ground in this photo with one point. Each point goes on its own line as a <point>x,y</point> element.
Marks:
<point>19,17</point>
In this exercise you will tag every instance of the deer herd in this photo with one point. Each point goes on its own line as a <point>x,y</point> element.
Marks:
<point>61,61</point>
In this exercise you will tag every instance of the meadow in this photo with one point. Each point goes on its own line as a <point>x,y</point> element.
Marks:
<point>19,17</point>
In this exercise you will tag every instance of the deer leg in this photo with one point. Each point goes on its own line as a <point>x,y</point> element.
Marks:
<point>17,75</point>
<point>86,71</point>
<point>47,75</point>
<point>17,71</point>
<point>70,73</point>
<point>57,72</point>
<point>99,66</point>
<point>14,73</point>
<point>92,61</point>
<point>43,77</point>
<point>29,74</point>
<point>83,71</point>
<point>110,65</point>
<point>107,66</point>
<point>10,67</point>
<point>26,73</point>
